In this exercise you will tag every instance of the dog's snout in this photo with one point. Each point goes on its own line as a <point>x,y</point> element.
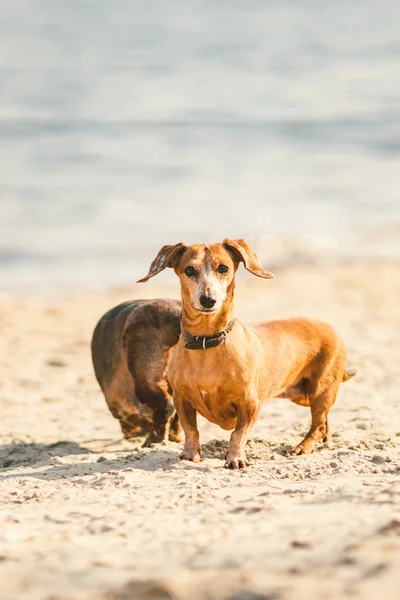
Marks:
<point>207,301</point>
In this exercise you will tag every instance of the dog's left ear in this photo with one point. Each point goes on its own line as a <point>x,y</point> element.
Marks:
<point>165,258</point>
<point>243,253</point>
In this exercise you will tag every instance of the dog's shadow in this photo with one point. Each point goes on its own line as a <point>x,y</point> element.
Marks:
<point>48,457</point>
<point>27,454</point>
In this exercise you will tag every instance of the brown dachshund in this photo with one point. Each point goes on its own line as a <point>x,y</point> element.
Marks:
<point>225,370</point>
<point>131,345</point>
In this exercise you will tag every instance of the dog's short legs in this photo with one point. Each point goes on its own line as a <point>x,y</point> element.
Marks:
<point>162,418</point>
<point>175,430</point>
<point>122,407</point>
<point>188,418</point>
<point>148,372</point>
<point>247,414</point>
<point>134,425</point>
<point>162,405</point>
<point>319,430</point>
<point>327,435</point>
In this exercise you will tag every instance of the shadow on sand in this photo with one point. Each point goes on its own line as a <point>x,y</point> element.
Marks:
<point>50,466</point>
<point>27,454</point>
<point>48,458</point>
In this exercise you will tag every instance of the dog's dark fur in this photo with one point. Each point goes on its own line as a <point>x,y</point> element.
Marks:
<point>131,345</point>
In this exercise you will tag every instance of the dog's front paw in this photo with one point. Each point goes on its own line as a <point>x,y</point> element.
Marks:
<point>305,447</point>
<point>295,451</point>
<point>192,455</point>
<point>235,463</point>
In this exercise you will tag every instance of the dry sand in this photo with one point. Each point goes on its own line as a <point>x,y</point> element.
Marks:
<point>85,515</point>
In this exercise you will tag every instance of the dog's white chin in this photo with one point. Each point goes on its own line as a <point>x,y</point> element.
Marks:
<point>207,311</point>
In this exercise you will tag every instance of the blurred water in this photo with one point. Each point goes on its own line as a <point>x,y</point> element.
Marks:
<point>125,125</point>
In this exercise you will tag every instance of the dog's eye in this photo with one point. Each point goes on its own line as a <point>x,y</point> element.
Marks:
<point>222,269</point>
<point>190,271</point>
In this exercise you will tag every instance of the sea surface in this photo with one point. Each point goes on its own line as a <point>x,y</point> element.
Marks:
<point>129,124</point>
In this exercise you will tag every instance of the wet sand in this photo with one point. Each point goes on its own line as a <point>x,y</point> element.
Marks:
<point>86,515</point>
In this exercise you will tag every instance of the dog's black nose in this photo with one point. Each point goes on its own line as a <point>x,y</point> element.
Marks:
<point>207,301</point>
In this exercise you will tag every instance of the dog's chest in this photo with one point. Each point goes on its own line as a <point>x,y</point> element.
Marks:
<point>213,381</point>
<point>211,389</point>
<point>214,404</point>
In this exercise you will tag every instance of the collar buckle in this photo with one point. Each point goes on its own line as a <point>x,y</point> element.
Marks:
<point>203,342</point>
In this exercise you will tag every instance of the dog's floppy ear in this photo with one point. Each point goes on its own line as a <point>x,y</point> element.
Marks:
<point>243,253</point>
<point>164,258</point>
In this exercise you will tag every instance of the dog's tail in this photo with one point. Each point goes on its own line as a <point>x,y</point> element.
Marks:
<point>349,373</point>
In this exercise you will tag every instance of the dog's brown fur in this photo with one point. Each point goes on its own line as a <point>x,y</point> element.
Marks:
<point>301,359</point>
<point>131,345</point>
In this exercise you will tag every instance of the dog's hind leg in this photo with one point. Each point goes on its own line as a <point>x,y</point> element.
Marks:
<point>319,431</point>
<point>148,343</point>
<point>155,396</point>
<point>327,435</point>
<point>175,430</point>
<point>297,393</point>
<point>121,399</point>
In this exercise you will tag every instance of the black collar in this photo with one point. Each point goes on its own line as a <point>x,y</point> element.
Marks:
<point>202,342</point>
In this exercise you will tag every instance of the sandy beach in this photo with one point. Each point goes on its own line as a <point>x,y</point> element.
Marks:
<point>129,125</point>
<point>86,515</point>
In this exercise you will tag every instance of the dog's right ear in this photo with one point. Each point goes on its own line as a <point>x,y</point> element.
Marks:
<point>167,257</point>
<point>243,253</point>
